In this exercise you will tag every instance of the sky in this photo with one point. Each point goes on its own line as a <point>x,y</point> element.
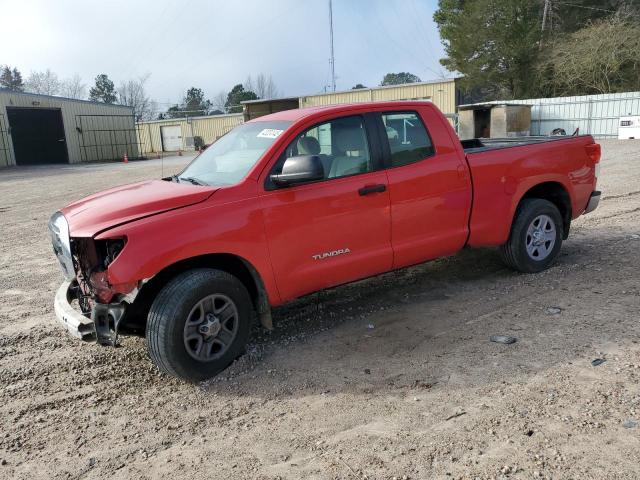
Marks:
<point>216,44</point>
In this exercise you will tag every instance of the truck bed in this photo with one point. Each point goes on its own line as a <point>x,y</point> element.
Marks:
<point>483,144</point>
<point>502,175</point>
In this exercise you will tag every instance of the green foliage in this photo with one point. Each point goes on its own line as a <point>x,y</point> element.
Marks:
<point>193,105</point>
<point>104,90</point>
<point>399,78</point>
<point>11,78</point>
<point>236,95</point>
<point>493,43</point>
<point>501,50</point>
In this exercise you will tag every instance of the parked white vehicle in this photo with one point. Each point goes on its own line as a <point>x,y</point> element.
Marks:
<point>629,128</point>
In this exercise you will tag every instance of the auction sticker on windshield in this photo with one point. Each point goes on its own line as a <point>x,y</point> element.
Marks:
<point>270,133</point>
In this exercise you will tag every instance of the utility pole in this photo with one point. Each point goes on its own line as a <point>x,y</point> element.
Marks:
<point>332,61</point>
<point>546,13</point>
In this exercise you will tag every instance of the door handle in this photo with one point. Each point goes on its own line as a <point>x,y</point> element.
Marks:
<point>61,140</point>
<point>372,189</point>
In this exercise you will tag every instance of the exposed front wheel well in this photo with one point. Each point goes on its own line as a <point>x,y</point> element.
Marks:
<point>556,194</point>
<point>135,318</point>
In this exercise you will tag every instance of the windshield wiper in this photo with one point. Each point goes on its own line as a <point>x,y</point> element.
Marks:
<point>192,180</point>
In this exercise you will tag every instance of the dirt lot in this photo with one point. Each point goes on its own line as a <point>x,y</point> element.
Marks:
<point>390,377</point>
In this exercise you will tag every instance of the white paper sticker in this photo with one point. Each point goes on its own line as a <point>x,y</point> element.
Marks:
<point>270,133</point>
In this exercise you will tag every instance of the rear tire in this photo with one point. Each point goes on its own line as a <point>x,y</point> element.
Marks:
<point>198,324</point>
<point>536,236</point>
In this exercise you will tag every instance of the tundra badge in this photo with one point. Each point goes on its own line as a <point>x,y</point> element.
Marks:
<point>334,253</point>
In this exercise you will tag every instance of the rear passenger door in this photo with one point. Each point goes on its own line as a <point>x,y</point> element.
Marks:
<point>429,186</point>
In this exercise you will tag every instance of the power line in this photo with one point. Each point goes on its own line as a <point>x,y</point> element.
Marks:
<point>586,8</point>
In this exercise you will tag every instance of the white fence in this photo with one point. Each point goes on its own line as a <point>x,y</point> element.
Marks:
<point>597,115</point>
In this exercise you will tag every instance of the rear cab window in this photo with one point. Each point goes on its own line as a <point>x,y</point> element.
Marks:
<point>408,139</point>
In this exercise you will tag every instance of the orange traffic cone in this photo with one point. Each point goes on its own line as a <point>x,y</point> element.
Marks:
<point>125,159</point>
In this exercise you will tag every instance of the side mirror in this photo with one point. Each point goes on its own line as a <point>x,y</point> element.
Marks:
<point>304,168</point>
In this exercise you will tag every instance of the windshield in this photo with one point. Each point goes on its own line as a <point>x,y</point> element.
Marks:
<point>228,160</point>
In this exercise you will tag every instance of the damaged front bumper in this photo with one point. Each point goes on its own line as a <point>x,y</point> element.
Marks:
<point>101,326</point>
<point>77,324</point>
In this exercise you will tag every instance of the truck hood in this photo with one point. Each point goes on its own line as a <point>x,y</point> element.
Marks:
<point>107,209</point>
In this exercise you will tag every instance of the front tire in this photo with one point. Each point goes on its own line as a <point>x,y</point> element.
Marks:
<point>536,236</point>
<point>198,324</point>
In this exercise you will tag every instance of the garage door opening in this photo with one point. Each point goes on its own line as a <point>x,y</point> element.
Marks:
<point>38,136</point>
<point>171,138</point>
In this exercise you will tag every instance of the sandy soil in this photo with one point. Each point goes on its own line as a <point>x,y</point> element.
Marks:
<point>392,377</point>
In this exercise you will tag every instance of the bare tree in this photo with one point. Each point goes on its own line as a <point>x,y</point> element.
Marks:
<point>132,93</point>
<point>73,87</point>
<point>219,100</point>
<point>248,84</point>
<point>600,58</point>
<point>265,87</point>
<point>43,83</point>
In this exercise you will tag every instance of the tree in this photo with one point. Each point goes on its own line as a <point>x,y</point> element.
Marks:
<point>73,87</point>
<point>219,101</point>
<point>43,83</point>
<point>236,95</point>
<point>399,78</point>
<point>132,93</point>
<point>193,105</point>
<point>104,90</point>
<point>195,102</point>
<point>493,43</point>
<point>358,86</point>
<point>600,58</point>
<point>11,78</point>
<point>264,87</point>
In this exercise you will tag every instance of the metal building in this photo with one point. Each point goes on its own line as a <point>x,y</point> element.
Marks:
<point>41,129</point>
<point>177,134</point>
<point>443,93</point>
<point>597,115</point>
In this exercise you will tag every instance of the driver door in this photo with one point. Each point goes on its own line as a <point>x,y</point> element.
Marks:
<point>333,231</point>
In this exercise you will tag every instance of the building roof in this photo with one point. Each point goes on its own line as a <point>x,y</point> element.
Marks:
<point>6,91</point>
<point>265,100</point>
<point>427,82</point>
<point>491,104</point>
<point>184,119</point>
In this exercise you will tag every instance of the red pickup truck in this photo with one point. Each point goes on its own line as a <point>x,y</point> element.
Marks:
<point>299,201</point>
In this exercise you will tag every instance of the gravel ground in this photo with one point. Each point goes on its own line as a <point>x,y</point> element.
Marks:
<point>392,377</point>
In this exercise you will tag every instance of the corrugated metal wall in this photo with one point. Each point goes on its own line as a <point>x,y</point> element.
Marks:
<point>85,145</point>
<point>209,128</point>
<point>594,114</point>
<point>442,94</point>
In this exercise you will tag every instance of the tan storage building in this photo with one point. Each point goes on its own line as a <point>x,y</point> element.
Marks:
<point>42,129</point>
<point>181,134</point>
<point>443,93</point>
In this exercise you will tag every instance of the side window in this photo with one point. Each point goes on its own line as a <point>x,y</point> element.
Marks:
<point>408,138</point>
<point>340,143</point>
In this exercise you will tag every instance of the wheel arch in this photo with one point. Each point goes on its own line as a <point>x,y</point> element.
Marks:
<point>136,315</point>
<point>556,193</point>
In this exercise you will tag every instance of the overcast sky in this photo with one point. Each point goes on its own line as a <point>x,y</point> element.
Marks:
<point>216,44</point>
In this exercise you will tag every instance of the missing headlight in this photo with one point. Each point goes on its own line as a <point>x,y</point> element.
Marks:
<point>108,250</point>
